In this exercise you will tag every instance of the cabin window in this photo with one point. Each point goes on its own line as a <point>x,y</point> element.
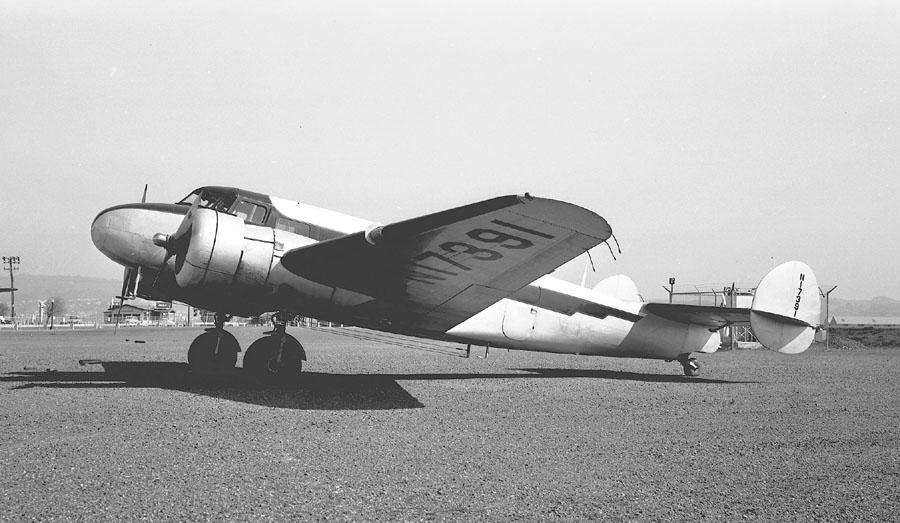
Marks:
<point>250,212</point>
<point>291,226</point>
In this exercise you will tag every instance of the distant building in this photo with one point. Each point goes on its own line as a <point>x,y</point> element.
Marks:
<point>141,312</point>
<point>860,322</point>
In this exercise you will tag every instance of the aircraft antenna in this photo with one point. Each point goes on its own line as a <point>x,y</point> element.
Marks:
<point>611,253</point>
<point>584,273</point>
<point>617,242</point>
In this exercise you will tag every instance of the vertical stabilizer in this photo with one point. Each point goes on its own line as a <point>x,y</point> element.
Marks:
<point>786,308</point>
<point>619,286</point>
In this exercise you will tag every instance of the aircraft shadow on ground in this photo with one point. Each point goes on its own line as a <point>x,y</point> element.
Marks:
<point>628,376</point>
<point>311,390</point>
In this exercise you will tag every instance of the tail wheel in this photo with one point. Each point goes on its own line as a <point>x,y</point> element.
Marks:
<point>691,367</point>
<point>213,353</point>
<point>276,359</point>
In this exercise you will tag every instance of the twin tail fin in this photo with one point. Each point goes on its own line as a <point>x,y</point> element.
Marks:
<point>786,308</point>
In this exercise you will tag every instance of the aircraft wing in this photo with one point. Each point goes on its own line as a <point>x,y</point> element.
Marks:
<point>430,273</point>
<point>707,316</point>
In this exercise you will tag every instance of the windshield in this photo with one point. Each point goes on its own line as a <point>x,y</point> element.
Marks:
<point>210,199</point>
<point>189,199</point>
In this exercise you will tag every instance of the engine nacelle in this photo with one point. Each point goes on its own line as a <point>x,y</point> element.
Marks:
<point>221,251</point>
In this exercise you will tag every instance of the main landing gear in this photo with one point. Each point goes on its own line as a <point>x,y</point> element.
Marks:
<point>691,365</point>
<point>214,352</point>
<point>276,358</point>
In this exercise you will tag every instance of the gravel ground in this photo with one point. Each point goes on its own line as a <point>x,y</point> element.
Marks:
<point>380,432</point>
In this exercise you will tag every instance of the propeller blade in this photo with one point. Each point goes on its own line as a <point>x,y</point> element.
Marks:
<point>129,290</point>
<point>162,267</point>
<point>185,224</point>
<point>118,315</point>
<point>125,278</point>
<point>144,197</point>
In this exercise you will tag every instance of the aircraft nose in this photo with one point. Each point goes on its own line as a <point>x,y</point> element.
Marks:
<point>124,233</point>
<point>111,235</point>
<point>100,229</point>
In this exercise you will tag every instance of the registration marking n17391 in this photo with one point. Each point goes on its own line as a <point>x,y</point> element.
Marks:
<point>799,294</point>
<point>497,239</point>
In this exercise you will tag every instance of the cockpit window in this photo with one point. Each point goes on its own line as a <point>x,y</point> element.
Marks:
<point>209,199</point>
<point>216,201</point>
<point>189,199</point>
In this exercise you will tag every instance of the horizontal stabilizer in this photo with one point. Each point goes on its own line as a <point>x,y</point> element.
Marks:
<point>705,315</point>
<point>786,308</point>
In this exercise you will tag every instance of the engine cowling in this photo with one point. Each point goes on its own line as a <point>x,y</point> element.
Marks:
<point>223,251</point>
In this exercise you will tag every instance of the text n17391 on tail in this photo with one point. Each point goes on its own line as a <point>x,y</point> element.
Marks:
<point>475,274</point>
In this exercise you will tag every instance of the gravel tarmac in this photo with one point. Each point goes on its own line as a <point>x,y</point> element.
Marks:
<point>379,432</point>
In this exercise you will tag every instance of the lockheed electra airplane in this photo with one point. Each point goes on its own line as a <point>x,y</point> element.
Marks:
<point>476,274</point>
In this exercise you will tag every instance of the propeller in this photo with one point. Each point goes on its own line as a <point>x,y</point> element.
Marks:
<point>129,286</point>
<point>176,244</point>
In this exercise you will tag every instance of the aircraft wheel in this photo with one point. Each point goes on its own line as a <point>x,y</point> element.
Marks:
<point>276,359</point>
<point>692,367</point>
<point>213,353</point>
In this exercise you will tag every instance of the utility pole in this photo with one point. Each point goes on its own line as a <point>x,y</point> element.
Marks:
<point>13,262</point>
<point>732,328</point>
<point>827,318</point>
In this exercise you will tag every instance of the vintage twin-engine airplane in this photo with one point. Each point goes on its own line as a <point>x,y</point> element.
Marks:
<point>476,274</point>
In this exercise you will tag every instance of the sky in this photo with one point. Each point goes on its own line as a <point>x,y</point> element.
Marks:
<point>718,140</point>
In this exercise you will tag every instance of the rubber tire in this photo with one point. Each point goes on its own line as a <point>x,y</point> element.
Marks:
<point>202,356</point>
<point>692,368</point>
<point>260,364</point>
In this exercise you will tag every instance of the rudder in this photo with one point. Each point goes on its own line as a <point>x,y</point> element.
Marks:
<point>786,308</point>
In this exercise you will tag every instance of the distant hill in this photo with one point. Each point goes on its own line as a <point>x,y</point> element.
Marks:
<point>83,296</point>
<point>93,295</point>
<point>880,306</point>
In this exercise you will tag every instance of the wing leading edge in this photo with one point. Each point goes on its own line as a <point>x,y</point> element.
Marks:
<point>430,273</point>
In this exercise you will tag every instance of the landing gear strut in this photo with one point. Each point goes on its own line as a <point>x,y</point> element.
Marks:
<point>214,352</point>
<point>691,365</point>
<point>277,358</point>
